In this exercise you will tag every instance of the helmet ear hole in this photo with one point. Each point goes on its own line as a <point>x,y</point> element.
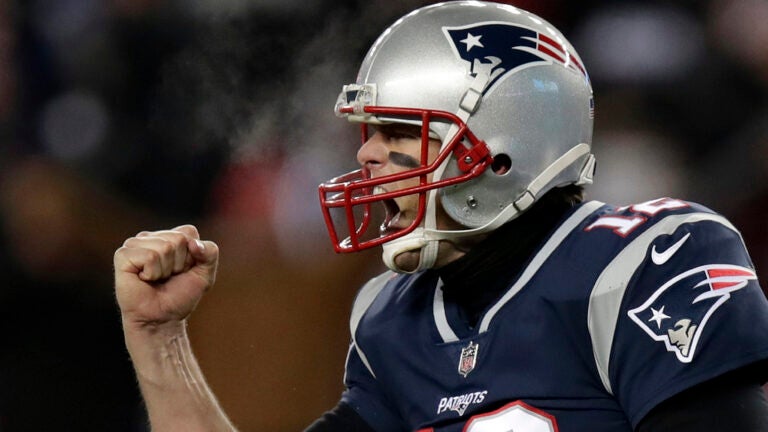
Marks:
<point>501,164</point>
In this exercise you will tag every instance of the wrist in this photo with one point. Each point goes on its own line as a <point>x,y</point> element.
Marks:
<point>157,350</point>
<point>174,388</point>
<point>153,329</point>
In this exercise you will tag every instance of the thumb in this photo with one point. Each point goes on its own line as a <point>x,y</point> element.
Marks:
<point>206,256</point>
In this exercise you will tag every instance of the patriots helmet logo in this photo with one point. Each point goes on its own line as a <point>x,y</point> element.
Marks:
<point>499,49</point>
<point>678,311</point>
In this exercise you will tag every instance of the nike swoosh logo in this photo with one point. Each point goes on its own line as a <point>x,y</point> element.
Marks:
<point>660,258</point>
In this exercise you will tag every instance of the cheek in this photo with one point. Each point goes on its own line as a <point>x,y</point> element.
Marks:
<point>406,183</point>
<point>408,202</point>
<point>434,150</point>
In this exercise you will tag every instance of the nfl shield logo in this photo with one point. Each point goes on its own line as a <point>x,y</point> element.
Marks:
<point>468,359</point>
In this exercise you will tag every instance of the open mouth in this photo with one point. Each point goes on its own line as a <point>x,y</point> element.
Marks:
<point>391,214</point>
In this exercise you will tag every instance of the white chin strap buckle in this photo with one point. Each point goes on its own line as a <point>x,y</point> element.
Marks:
<point>415,241</point>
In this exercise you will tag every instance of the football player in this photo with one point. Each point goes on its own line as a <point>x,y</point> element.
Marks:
<point>511,303</point>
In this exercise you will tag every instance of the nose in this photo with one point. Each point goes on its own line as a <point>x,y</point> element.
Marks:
<point>373,153</point>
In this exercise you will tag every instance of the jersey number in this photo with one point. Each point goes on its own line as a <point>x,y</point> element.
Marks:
<point>623,225</point>
<point>512,417</point>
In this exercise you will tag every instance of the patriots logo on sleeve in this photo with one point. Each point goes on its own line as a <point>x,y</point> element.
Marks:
<point>503,48</point>
<point>678,311</point>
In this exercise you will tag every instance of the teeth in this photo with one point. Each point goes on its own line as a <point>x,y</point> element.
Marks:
<point>390,224</point>
<point>378,190</point>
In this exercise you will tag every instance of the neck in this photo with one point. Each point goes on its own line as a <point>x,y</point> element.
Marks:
<point>486,271</point>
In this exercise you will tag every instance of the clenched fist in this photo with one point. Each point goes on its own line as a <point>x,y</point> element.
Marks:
<point>161,275</point>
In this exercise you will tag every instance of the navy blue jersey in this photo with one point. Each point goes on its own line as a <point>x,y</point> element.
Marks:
<point>618,310</point>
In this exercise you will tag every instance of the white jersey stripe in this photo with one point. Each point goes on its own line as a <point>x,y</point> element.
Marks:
<point>552,244</point>
<point>441,321</point>
<point>364,299</point>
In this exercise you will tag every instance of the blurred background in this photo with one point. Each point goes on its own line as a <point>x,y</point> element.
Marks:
<point>123,115</point>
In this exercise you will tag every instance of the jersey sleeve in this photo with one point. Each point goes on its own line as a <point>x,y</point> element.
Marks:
<point>363,392</point>
<point>691,310</point>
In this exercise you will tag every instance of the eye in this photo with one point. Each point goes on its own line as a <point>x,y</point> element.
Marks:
<point>398,132</point>
<point>404,135</point>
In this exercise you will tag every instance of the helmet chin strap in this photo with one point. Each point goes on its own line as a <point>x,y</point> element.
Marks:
<point>414,241</point>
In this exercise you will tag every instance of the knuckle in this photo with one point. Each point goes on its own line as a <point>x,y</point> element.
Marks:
<point>178,238</point>
<point>119,252</point>
<point>152,257</point>
<point>189,230</point>
<point>167,248</point>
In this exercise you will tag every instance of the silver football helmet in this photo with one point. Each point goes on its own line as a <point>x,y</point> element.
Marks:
<point>504,92</point>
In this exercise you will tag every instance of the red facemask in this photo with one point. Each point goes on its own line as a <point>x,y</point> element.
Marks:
<point>347,201</point>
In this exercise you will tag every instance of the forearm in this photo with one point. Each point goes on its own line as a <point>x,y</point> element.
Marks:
<point>171,381</point>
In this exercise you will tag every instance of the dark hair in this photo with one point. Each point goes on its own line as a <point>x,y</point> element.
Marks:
<point>569,194</point>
